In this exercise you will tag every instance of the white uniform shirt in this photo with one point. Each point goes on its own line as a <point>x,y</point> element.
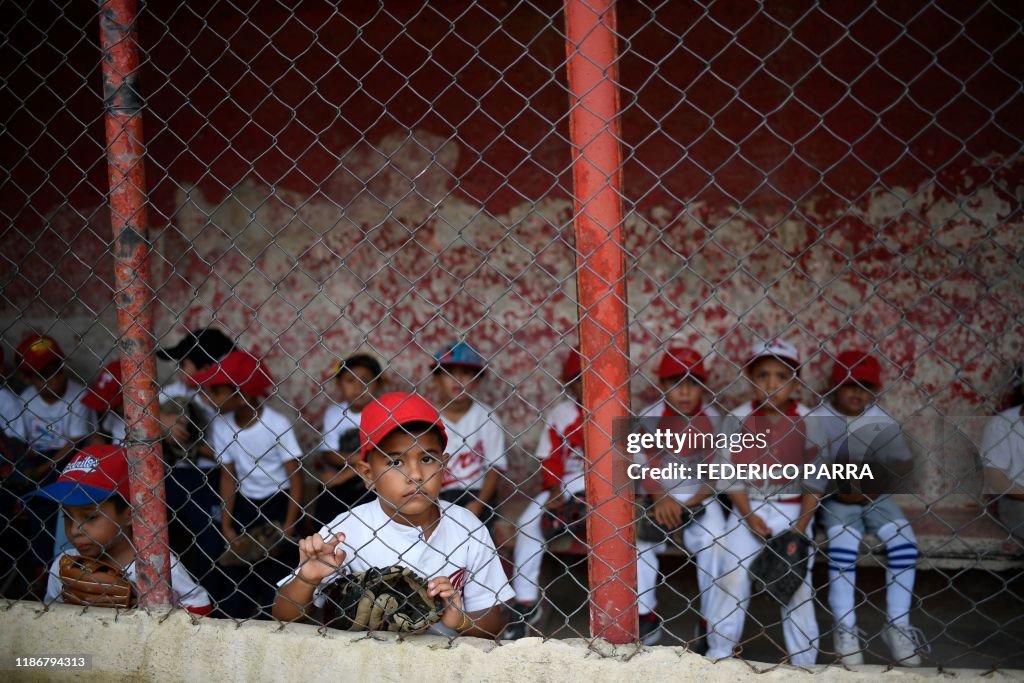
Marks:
<point>185,592</point>
<point>1002,449</point>
<point>47,427</point>
<point>680,489</point>
<point>812,443</point>
<point>113,425</point>
<point>562,440</point>
<point>338,419</point>
<point>460,548</point>
<point>858,433</point>
<point>11,408</point>
<point>476,443</point>
<point>258,452</point>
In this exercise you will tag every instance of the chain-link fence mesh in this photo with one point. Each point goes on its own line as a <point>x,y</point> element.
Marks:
<point>355,199</point>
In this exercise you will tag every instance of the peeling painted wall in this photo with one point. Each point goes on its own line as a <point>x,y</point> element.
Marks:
<point>391,177</point>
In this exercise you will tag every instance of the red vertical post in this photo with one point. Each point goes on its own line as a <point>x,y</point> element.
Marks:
<point>597,159</point>
<point>129,219</point>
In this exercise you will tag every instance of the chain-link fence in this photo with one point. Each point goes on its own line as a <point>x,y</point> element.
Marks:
<point>820,209</point>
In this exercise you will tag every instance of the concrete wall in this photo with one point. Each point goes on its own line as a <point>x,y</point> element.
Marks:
<point>139,648</point>
<point>326,179</point>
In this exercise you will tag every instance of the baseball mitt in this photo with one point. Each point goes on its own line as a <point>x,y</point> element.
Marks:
<point>648,529</point>
<point>392,599</point>
<point>782,565</point>
<point>95,582</point>
<point>568,518</point>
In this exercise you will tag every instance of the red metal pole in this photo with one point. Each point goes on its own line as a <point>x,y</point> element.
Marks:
<point>597,159</point>
<point>129,219</point>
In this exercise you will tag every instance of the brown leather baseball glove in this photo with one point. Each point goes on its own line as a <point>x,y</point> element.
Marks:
<point>95,582</point>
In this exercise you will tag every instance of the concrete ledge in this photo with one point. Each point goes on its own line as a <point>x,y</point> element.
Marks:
<point>135,646</point>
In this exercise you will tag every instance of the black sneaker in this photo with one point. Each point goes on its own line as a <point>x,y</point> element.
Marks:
<point>521,617</point>
<point>699,644</point>
<point>650,629</point>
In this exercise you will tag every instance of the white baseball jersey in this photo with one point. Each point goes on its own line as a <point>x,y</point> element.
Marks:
<point>705,421</point>
<point>258,452</point>
<point>1002,448</point>
<point>48,427</point>
<point>792,440</point>
<point>113,425</point>
<point>476,443</point>
<point>338,419</point>
<point>11,408</point>
<point>856,433</point>
<point>185,592</point>
<point>560,447</point>
<point>181,391</point>
<point>460,548</point>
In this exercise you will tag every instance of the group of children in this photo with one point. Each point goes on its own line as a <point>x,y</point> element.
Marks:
<point>407,483</point>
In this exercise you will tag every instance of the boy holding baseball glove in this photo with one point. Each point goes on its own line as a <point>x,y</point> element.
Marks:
<point>404,561</point>
<point>100,569</point>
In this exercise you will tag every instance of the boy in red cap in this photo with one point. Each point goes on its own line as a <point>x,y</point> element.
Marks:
<point>93,492</point>
<point>52,424</point>
<point>402,462</point>
<point>476,437</point>
<point>683,408</point>
<point>852,421</point>
<point>780,435</point>
<point>563,469</point>
<point>106,399</point>
<point>261,479</point>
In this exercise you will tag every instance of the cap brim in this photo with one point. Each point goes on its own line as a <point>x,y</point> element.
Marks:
<point>72,493</point>
<point>791,362</point>
<point>176,352</point>
<point>467,366</point>
<point>392,425</point>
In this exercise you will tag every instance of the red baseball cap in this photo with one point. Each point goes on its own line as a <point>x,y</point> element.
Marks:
<point>680,361</point>
<point>92,476</point>
<point>393,411</point>
<point>105,391</point>
<point>240,369</point>
<point>573,366</point>
<point>857,366</point>
<point>38,351</point>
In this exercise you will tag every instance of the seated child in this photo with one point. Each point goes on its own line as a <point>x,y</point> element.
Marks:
<point>402,463</point>
<point>856,378</point>
<point>261,481</point>
<point>93,492</point>
<point>476,438</point>
<point>763,509</point>
<point>683,382</point>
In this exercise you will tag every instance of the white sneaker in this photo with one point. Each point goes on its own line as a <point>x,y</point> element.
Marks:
<point>848,646</point>
<point>904,643</point>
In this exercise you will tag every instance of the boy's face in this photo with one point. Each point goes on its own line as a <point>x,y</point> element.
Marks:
<point>95,528</point>
<point>357,387</point>
<point>852,399</point>
<point>774,382</point>
<point>224,397</point>
<point>455,383</point>
<point>406,471</point>
<point>50,382</point>
<point>682,394</point>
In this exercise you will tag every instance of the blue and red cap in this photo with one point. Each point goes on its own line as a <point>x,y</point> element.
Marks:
<point>94,474</point>
<point>394,411</point>
<point>459,355</point>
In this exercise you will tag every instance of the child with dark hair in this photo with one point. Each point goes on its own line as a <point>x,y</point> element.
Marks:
<point>341,493</point>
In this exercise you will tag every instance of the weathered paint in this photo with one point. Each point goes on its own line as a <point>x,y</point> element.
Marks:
<point>882,152</point>
<point>134,298</point>
<point>592,53</point>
